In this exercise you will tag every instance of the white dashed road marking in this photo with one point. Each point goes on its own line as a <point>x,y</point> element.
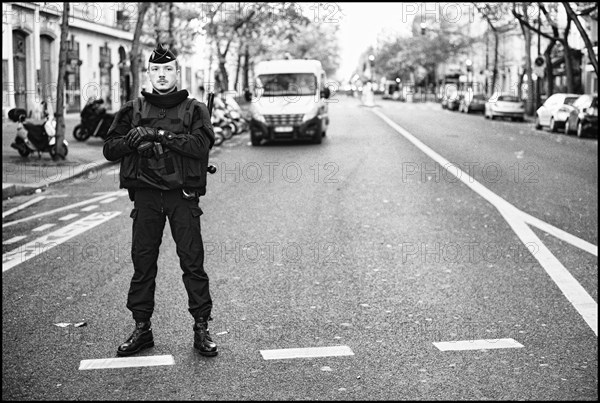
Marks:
<point>14,239</point>
<point>70,206</point>
<point>49,241</point>
<point>518,220</point>
<point>485,344</point>
<point>68,217</point>
<point>110,199</point>
<point>127,362</point>
<point>43,227</point>
<point>22,206</point>
<point>310,352</point>
<point>89,208</point>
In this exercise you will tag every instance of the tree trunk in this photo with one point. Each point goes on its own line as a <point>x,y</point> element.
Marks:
<point>134,56</point>
<point>246,68</point>
<point>495,70</point>
<point>568,59</point>
<point>549,71</point>
<point>60,84</point>
<point>238,66</point>
<point>530,98</point>
<point>224,84</point>
<point>586,39</point>
<point>171,21</point>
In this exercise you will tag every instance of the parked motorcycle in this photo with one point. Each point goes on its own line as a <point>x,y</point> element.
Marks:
<point>95,121</point>
<point>235,114</point>
<point>220,120</point>
<point>35,137</point>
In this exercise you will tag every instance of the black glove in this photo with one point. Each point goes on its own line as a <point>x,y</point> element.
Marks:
<point>139,134</point>
<point>146,149</point>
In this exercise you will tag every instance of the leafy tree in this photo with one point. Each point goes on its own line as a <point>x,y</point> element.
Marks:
<point>311,41</point>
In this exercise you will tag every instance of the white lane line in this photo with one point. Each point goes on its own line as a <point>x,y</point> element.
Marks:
<point>43,227</point>
<point>570,287</point>
<point>49,241</point>
<point>126,362</point>
<point>485,344</point>
<point>70,206</point>
<point>89,208</point>
<point>68,217</point>
<point>573,291</point>
<point>22,206</point>
<point>308,352</point>
<point>559,233</point>
<point>484,192</point>
<point>109,200</point>
<point>14,239</point>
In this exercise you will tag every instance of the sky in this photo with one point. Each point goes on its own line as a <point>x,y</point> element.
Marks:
<point>360,24</point>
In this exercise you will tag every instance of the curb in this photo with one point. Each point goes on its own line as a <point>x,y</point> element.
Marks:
<point>18,189</point>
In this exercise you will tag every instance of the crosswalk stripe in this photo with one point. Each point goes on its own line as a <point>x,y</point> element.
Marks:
<point>485,344</point>
<point>309,352</point>
<point>126,362</point>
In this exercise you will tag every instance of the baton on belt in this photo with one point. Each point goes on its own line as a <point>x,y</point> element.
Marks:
<point>210,103</point>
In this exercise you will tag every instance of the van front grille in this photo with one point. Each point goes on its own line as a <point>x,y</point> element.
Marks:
<point>284,120</point>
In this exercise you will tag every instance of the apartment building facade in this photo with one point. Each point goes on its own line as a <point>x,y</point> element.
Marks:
<point>98,55</point>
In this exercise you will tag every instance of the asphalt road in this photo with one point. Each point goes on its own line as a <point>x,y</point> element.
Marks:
<point>362,241</point>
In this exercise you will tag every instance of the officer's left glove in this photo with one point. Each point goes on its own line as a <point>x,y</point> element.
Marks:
<point>134,138</point>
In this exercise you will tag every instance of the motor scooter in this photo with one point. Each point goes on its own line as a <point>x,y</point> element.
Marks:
<point>220,120</point>
<point>95,121</point>
<point>35,137</point>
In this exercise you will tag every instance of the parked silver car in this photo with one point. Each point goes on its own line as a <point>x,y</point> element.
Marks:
<point>504,105</point>
<point>551,114</point>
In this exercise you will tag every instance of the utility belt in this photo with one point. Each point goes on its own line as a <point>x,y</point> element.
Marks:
<point>185,194</point>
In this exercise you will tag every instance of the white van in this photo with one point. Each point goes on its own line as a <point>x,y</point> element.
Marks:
<point>289,101</point>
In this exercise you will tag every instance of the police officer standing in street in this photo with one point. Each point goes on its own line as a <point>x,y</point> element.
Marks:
<point>162,140</point>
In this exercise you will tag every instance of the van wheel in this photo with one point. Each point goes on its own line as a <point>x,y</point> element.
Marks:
<point>255,140</point>
<point>552,127</point>
<point>538,126</point>
<point>317,138</point>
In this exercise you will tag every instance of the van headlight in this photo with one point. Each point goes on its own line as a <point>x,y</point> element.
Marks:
<point>308,116</point>
<point>258,116</point>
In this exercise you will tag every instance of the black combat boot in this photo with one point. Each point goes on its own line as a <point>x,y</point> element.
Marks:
<point>202,341</point>
<point>140,339</point>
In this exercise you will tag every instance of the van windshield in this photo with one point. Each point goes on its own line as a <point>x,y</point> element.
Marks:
<point>292,84</point>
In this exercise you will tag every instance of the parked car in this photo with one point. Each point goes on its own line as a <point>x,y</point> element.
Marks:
<point>583,116</point>
<point>504,105</point>
<point>551,113</point>
<point>472,103</point>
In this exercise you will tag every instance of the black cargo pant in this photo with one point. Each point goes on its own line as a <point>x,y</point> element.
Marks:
<point>151,207</point>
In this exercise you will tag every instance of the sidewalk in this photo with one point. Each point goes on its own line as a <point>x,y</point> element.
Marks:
<point>26,175</point>
<point>21,176</point>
